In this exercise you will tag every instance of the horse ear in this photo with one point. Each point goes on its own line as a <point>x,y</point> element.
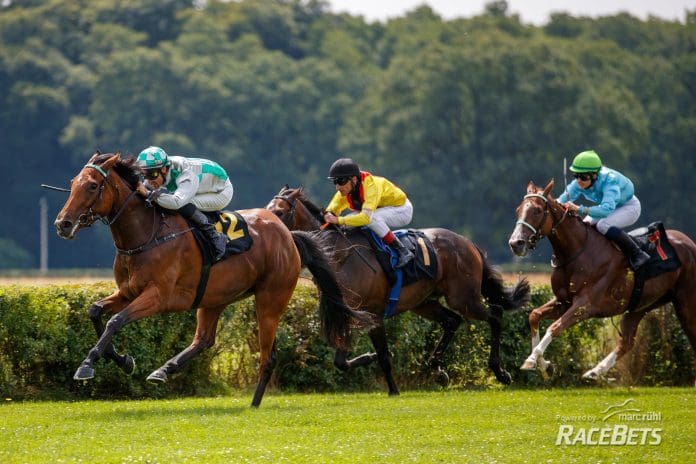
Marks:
<point>531,187</point>
<point>300,189</point>
<point>108,164</point>
<point>549,187</point>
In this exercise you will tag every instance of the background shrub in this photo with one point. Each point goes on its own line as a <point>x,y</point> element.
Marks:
<point>45,333</point>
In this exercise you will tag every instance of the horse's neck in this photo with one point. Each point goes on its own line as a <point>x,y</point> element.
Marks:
<point>136,223</point>
<point>304,219</point>
<point>570,237</point>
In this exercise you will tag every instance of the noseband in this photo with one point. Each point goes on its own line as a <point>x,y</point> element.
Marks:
<point>90,217</point>
<point>537,234</point>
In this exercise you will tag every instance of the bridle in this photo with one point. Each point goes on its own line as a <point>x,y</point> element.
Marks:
<point>538,234</point>
<point>287,218</point>
<point>90,217</point>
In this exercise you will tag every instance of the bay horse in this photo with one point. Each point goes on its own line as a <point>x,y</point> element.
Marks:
<point>592,278</point>
<point>464,279</point>
<point>158,265</point>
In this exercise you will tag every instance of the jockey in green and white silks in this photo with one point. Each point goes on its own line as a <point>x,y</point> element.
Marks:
<point>199,181</point>
<point>616,205</point>
<point>189,186</point>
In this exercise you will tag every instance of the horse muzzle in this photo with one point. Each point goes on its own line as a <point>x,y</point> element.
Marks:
<point>518,246</point>
<point>65,228</point>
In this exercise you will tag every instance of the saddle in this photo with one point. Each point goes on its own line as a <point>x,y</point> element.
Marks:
<point>232,224</point>
<point>663,258</point>
<point>422,266</point>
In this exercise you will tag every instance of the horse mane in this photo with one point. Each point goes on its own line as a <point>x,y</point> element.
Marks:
<point>126,167</point>
<point>311,207</point>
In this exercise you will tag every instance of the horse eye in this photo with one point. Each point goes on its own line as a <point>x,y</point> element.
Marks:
<point>92,187</point>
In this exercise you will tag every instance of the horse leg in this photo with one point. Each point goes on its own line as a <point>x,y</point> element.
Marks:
<point>578,311</point>
<point>449,322</point>
<point>344,364</point>
<point>137,309</point>
<point>685,309</point>
<point>270,305</point>
<point>552,309</point>
<point>629,326</point>
<point>206,327</point>
<point>111,304</point>
<point>378,335</point>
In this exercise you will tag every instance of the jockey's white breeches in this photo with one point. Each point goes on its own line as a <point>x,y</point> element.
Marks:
<point>214,201</point>
<point>390,217</point>
<point>623,216</point>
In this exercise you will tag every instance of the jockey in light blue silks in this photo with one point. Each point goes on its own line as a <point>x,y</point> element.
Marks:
<point>189,186</point>
<point>616,205</point>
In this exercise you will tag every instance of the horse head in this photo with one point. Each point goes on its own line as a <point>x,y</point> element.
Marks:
<point>91,195</point>
<point>293,207</point>
<point>536,218</point>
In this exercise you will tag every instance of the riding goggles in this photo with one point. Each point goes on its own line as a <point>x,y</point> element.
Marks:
<point>152,174</point>
<point>583,177</point>
<point>340,180</point>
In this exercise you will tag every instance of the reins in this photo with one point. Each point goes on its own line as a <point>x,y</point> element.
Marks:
<point>89,218</point>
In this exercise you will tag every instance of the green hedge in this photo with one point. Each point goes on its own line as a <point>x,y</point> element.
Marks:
<point>45,333</point>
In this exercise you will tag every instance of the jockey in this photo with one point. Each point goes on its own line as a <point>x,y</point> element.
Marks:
<point>616,205</point>
<point>189,186</point>
<point>375,202</point>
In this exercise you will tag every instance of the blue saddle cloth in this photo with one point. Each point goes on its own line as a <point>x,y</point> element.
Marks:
<point>423,266</point>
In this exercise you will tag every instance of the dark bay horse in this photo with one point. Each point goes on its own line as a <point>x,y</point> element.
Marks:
<point>592,278</point>
<point>464,279</point>
<point>158,267</point>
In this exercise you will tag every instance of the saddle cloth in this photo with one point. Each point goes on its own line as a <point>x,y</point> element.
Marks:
<point>423,266</point>
<point>653,240</point>
<point>232,224</point>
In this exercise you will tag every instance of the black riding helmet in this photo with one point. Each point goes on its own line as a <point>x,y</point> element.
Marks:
<point>344,167</point>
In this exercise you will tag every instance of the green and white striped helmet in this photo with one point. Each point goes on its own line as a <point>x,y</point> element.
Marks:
<point>153,158</point>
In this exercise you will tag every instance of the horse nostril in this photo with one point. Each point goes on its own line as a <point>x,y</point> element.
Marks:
<point>66,225</point>
<point>516,244</point>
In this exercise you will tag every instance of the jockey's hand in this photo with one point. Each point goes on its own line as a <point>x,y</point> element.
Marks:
<point>330,218</point>
<point>571,207</point>
<point>142,190</point>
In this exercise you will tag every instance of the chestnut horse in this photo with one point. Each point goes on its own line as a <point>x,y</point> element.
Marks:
<point>464,279</point>
<point>158,267</point>
<point>592,278</point>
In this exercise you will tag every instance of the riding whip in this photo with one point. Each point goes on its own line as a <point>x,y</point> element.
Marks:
<point>50,187</point>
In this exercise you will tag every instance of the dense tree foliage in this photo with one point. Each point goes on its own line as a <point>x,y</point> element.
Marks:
<point>460,113</point>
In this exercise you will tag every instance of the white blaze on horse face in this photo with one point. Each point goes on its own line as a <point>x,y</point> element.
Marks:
<point>518,236</point>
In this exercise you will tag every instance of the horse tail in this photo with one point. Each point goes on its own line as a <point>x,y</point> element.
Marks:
<point>336,318</point>
<point>494,290</point>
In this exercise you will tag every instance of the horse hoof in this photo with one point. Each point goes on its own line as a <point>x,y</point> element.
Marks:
<point>129,365</point>
<point>157,377</point>
<point>394,393</point>
<point>528,365</point>
<point>549,370</point>
<point>590,376</point>
<point>505,378</point>
<point>442,378</point>
<point>83,373</point>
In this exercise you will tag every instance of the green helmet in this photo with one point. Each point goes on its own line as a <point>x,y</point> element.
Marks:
<point>587,161</point>
<point>153,158</point>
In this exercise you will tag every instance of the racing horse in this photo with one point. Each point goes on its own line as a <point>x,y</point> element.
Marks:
<point>592,278</point>
<point>464,278</point>
<point>158,268</point>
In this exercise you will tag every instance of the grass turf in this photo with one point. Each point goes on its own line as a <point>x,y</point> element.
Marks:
<point>502,425</point>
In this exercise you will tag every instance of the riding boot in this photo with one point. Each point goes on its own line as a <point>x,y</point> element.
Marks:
<point>404,254</point>
<point>218,240</point>
<point>636,256</point>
